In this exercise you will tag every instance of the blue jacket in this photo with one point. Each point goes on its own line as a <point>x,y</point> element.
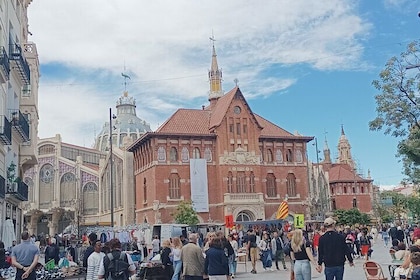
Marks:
<point>216,262</point>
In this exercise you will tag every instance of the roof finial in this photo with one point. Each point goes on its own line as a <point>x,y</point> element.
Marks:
<point>342,129</point>
<point>215,75</point>
<point>125,78</point>
<point>236,82</point>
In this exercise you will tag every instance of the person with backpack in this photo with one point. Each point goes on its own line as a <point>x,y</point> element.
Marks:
<point>116,265</point>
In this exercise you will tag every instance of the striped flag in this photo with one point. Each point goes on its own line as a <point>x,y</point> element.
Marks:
<point>283,210</point>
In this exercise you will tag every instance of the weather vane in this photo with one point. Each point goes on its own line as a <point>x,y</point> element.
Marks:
<point>125,78</point>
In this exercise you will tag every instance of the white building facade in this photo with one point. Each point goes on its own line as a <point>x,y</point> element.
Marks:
<point>19,77</point>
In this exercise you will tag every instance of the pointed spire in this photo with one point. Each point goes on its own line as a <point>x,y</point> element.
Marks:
<point>327,153</point>
<point>344,150</point>
<point>342,130</point>
<point>215,76</point>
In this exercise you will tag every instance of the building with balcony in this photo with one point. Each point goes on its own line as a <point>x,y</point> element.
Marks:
<point>19,76</point>
<point>224,157</point>
<point>70,185</point>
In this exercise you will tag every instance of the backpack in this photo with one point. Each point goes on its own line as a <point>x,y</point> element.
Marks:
<point>287,248</point>
<point>118,268</point>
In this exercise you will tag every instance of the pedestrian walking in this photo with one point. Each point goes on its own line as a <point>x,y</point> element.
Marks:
<point>176,255</point>
<point>216,262</point>
<point>332,252</point>
<point>94,261</point>
<point>192,259</point>
<point>253,250</point>
<point>277,245</point>
<point>265,252</point>
<point>233,260</point>
<point>25,258</point>
<point>301,253</point>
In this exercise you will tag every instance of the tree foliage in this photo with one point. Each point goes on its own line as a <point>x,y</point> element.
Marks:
<point>397,106</point>
<point>413,204</point>
<point>185,214</point>
<point>351,217</point>
<point>399,203</point>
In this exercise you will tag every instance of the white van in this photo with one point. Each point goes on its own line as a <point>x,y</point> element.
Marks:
<point>167,231</point>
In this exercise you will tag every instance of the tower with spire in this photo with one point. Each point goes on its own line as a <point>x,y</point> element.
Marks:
<point>215,77</point>
<point>327,152</point>
<point>344,153</point>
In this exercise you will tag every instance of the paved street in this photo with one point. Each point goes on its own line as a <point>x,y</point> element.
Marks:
<point>380,254</point>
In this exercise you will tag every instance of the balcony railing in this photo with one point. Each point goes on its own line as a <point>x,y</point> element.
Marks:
<point>2,187</point>
<point>18,189</point>
<point>4,62</point>
<point>18,62</point>
<point>20,124</point>
<point>5,131</point>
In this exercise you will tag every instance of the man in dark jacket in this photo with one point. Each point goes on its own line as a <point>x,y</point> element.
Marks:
<point>332,251</point>
<point>52,252</point>
<point>89,250</point>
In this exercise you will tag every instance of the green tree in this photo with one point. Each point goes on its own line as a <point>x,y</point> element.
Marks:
<point>413,204</point>
<point>397,107</point>
<point>185,214</point>
<point>382,212</point>
<point>351,217</point>
<point>399,203</point>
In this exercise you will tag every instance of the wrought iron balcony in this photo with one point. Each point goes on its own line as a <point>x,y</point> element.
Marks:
<point>20,124</point>
<point>18,189</point>
<point>2,187</point>
<point>5,131</point>
<point>18,62</point>
<point>4,63</point>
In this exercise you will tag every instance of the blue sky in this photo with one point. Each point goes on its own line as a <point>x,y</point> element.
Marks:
<point>305,65</point>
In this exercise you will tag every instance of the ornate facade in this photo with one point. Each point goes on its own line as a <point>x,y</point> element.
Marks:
<point>251,163</point>
<point>19,77</point>
<point>71,184</point>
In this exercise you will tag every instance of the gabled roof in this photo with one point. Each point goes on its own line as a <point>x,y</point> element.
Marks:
<point>342,172</point>
<point>272,130</point>
<point>187,121</point>
<point>220,108</point>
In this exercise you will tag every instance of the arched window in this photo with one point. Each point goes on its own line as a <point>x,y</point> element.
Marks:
<point>67,189</point>
<point>196,153</point>
<point>229,182</point>
<point>144,190</point>
<point>362,189</point>
<point>90,199</point>
<point>174,186</point>
<point>269,156</point>
<point>345,190</point>
<point>31,195</point>
<point>243,217</point>
<point>279,156</point>
<point>46,149</point>
<point>185,157</point>
<point>161,154</point>
<point>252,182</point>
<point>173,155</point>
<point>240,182</point>
<point>289,155</point>
<point>291,184</point>
<point>46,186</point>
<point>299,157</point>
<point>271,185</point>
<point>207,154</point>
<point>354,203</point>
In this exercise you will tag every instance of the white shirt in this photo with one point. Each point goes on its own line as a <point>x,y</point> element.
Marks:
<point>93,264</point>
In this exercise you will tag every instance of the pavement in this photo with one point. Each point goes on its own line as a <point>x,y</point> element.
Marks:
<point>380,255</point>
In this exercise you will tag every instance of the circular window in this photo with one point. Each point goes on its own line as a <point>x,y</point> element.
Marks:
<point>237,110</point>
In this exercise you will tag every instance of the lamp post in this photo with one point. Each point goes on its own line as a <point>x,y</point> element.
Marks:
<point>111,176</point>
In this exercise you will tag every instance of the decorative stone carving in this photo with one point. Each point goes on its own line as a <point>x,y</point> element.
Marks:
<point>239,156</point>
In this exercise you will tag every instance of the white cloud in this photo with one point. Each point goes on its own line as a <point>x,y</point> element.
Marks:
<point>164,46</point>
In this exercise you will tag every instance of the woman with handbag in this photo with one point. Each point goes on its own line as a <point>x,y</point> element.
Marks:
<point>265,252</point>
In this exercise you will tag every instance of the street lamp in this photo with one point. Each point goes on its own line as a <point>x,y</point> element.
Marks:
<point>111,163</point>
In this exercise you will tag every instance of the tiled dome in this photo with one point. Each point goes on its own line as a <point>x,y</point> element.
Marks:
<point>125,124</point>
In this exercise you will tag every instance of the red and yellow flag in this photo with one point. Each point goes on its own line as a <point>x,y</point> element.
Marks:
<point>283,210</point>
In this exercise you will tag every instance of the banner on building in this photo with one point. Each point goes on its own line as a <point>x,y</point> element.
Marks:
<point>299,221</point>
<point>199,185</point>
<point>229,221</point>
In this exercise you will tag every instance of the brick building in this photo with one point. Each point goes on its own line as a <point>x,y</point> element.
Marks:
<point>251,164</point>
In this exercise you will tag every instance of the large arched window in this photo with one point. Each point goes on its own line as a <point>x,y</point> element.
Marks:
<point>31,195</point>
<point>229,182</point>
<point>173,155</point>
<point>207,154</point>
<point>289,155</point>
<point>291,184</point>
<point>196,153</point>
<point>240,182</point>
<point>269,156</point>
<point>90,199</point>
<point>161,154</point>
<point>174,186</point>
<point>271,185</point>
<point>67,190</point>
<point>185,157</point>
<point>244,217</point>
<point>279,156</point>
<point>46,186</point>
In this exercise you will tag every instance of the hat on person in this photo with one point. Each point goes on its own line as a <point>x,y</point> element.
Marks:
<point>329,222</point>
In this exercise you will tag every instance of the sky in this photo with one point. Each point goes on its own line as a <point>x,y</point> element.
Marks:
<point>306,66</point>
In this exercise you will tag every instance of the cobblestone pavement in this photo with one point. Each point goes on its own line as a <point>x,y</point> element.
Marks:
<point>380,255</point>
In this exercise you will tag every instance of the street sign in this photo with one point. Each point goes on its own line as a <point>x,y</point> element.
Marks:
<point>299,221</point>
